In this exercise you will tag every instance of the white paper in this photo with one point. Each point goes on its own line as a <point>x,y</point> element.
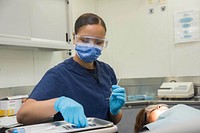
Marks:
<point>186,26</point>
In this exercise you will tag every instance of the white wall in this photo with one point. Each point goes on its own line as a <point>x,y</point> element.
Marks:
<point>185,57</point>
<point>142,44</point>
<point>82,6</point>
<point>138,45</point>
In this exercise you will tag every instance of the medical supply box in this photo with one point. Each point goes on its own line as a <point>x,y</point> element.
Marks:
<point>176,90</point>
<point>9,107</point>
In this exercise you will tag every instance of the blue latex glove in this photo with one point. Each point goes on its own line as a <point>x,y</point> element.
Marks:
<point>71,111</point>
<point>117,99</point>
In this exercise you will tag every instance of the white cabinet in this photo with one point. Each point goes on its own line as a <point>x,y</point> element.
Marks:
<point>14,18</point>
<point>49,19</point>
<point>16,68</point>
<point>34,23</point>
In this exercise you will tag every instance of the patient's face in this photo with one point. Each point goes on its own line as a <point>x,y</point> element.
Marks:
<point>154,113</point>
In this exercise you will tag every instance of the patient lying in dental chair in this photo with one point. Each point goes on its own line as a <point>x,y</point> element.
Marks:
<point>160,118</point>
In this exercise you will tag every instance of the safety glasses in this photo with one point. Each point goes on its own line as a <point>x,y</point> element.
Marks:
<point>151,108</point>
<point>102,42</point>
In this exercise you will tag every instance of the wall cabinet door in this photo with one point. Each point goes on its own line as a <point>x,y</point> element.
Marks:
<point>49,19</point>
<point>14,18</point>
<point>16,68</point>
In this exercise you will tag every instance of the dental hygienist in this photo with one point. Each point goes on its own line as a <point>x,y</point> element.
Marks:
<point>79,87</point>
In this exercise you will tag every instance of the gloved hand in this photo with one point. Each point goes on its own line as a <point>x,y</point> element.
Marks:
<point>71,111</point>
<point>117,99</point>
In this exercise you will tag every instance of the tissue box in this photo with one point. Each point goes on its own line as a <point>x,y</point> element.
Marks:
<point>9,107</point>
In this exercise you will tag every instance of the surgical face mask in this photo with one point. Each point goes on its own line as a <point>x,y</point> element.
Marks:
<point>88,52</point>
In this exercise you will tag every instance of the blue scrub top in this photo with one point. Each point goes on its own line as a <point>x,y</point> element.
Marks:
<point>90,88</point>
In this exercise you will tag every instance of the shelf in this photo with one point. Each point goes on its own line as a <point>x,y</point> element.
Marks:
<point>12,40</point>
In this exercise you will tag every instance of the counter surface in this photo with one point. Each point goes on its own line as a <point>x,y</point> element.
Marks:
<point>195,101</point>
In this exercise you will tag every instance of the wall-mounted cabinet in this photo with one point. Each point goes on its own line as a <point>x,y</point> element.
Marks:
<point>15,19</point>
<point>16,68</point>
<point>35,23</point>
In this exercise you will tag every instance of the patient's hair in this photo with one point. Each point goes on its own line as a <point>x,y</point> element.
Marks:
<point>140,121</point>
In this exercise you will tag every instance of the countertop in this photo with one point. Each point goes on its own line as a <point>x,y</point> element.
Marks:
<point>195,101</point>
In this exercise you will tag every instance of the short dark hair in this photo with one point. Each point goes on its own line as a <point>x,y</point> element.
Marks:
<point>88,19</point>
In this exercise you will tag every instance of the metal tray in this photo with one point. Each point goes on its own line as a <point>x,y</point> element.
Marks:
<point>61,127</point>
